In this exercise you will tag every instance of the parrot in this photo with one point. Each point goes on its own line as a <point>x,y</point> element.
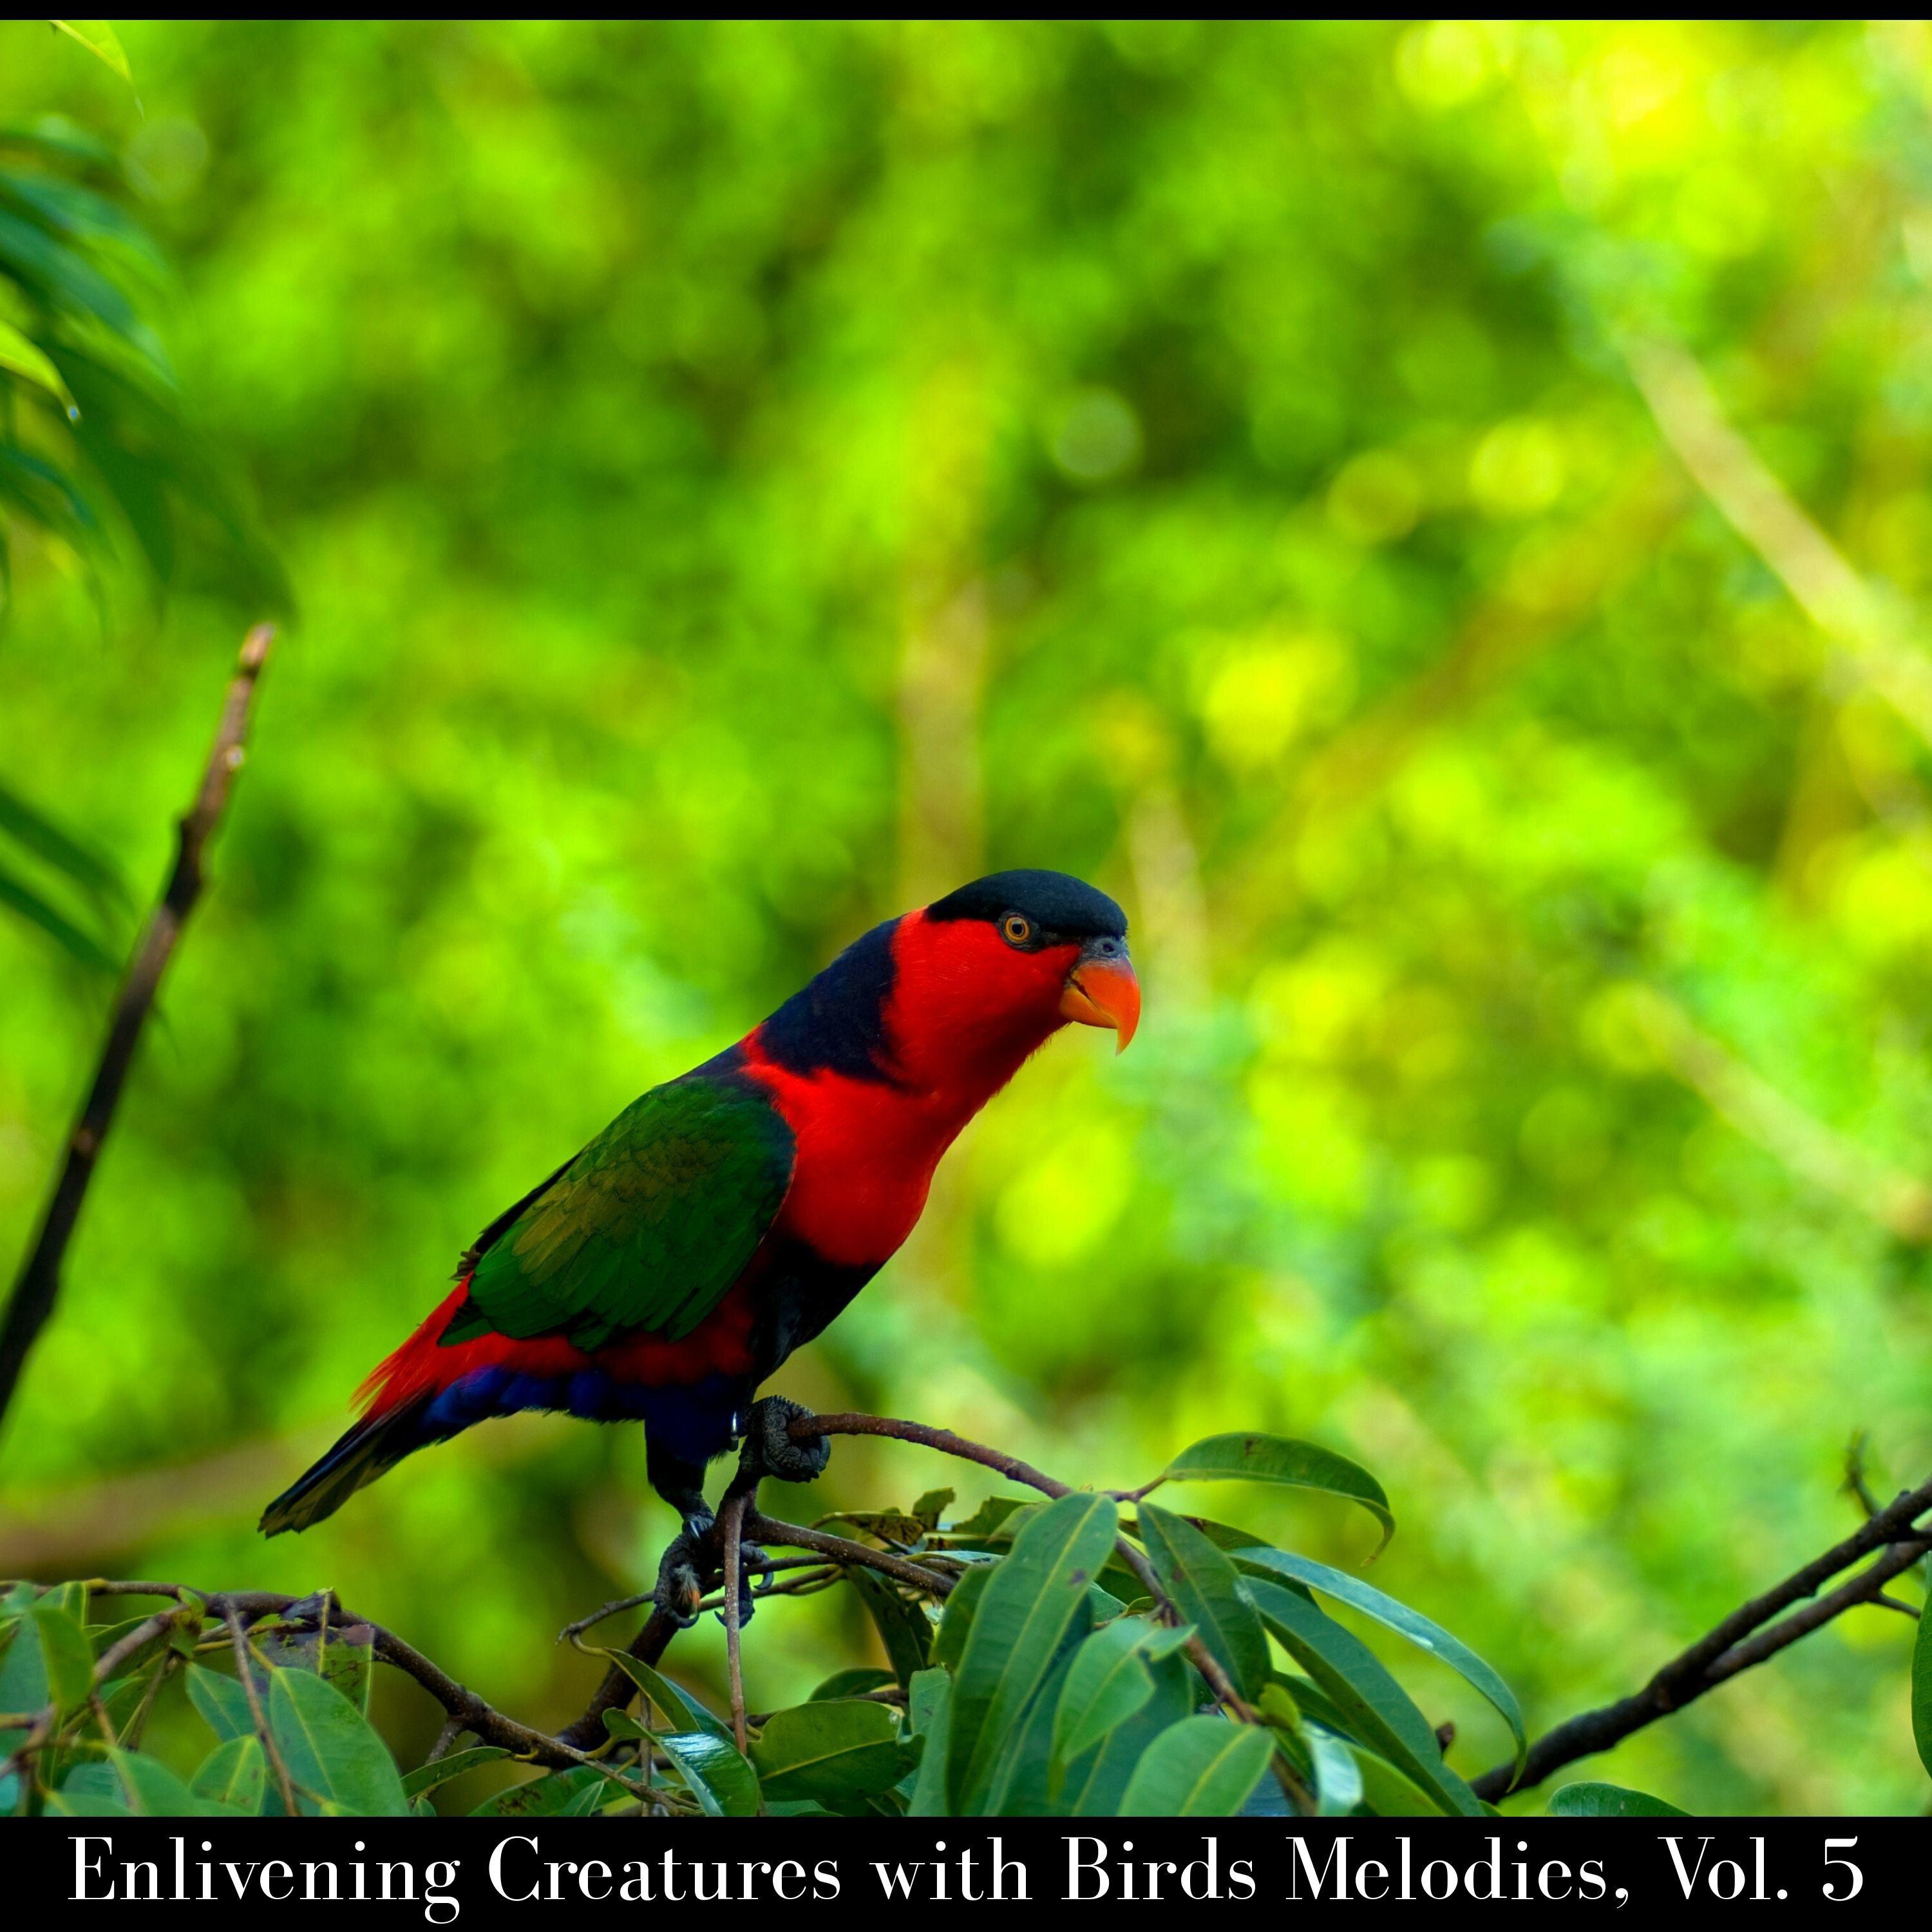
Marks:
<point>723,1219</point>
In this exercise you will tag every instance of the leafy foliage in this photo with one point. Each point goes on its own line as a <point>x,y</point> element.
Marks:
<point>99,462</point>
<point>1046,1695</point>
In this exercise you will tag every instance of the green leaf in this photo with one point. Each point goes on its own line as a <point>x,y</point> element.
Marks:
<point>904,1628</point>
<point>1025,1609</point>
<point>718,1774</point>
<point>1589,1800</point>
<point>931,1507</point>
<point>679,1706</point>
<point>91,1791</point>
<point>1405,1621</point>
<point>23,1677</point>
<point>1388,1792</point>
<point>1200,1768</point>
<point>724,1784</point>
<point>925,1698</point>
<point>1922,1688</point>
<point>153,1790</point>
<point>1321,1757</point>
<point>1281,1459</point>
<point>1024,1781</point>
<point>889,1525</point>
<point>956,1621</point>
<point>70,938</point>
<point>67,280</point>
<point>66,1654</point>
<point>929,1704</point>
<point>1222,1535</point>
<point>69,1597</point>
<point>221,1703</point>
<point>80,1805</point>
<point>831,1750</point>
<point>1314,1702</point>
<point>1376,1708</point>
<point>100,41</point>
<point>97,1780</point>
<point>329,1749</point>
<point>1206,1590</point>
<point>991,1516</point>
<point>54,136</point>
<point>234,1774</point>
<point>1092,1786</point>
<point>425,1778</point>
<point>344,1657</point>
<point>1109,1681</point>
<point>556,1795</point>
<point>103,1637</point>
<point>1338,1788</point>
<point>852,1683</point>
<point>26,358</point>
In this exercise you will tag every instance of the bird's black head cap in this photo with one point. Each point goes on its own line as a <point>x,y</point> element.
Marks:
<point>1060,906</point>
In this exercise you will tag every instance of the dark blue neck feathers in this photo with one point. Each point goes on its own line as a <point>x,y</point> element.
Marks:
<point>836,1022</point>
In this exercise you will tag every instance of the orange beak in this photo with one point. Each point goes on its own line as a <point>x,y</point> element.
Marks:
<point>1103,992</point>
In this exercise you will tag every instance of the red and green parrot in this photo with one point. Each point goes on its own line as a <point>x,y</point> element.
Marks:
<point>724,1218</point>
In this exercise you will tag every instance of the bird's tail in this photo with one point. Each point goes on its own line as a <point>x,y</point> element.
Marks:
<point>377,1443</point>
<point>397,1423</point>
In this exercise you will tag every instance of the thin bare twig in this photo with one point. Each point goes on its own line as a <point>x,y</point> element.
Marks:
<point>617,1690</point>
<point>1752,1633</point>
<point>617,1605</point>
<point>731,1525</point>
<point>813,1577</point>
<point>244,1668</point>
<point>769,1529</point>
<point>37,1287</point>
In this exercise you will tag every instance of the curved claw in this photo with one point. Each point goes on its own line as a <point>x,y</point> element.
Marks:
<point>770,1449</point>
<point>682,1570</point>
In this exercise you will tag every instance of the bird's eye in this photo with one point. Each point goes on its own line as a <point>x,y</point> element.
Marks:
<point>1017,929</point>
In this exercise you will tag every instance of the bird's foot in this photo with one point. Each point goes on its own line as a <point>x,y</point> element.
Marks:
<point>693,1564</point>
<point>689,1558</point>
<point>770,1449</point>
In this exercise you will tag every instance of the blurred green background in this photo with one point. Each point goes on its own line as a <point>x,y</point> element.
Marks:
<point>738,481</point>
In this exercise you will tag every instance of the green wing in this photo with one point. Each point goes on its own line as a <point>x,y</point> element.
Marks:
<point>645,1229</point>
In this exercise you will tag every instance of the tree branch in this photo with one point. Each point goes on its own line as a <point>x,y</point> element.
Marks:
<point>1894,1537</point>
<point>731,1525</point>
<point>1748,1636</point>
<point>37,1286</point>
<point>804,1427</point>
<point>238,1609</point>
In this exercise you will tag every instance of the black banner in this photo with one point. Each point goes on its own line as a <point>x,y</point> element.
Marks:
<point>437,1871</point>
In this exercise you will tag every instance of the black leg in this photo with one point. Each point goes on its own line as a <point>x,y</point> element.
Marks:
<point>691,1556</point>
